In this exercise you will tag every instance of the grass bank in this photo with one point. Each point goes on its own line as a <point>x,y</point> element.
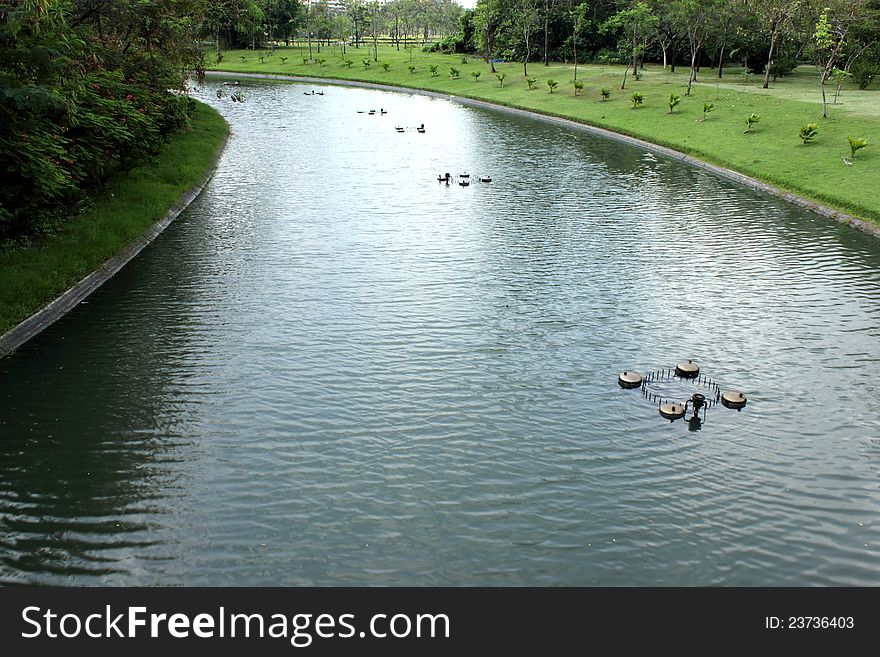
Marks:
<point>33,276</point>
<point>772,151</point>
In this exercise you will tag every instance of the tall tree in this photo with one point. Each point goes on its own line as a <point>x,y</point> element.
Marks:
<point>580,16</point>
<point>526,17</point>
<point>488,18</point>
<point>697,19</point>
<point>638,23</point>
<point>837,37</point>
<point>776,15</point>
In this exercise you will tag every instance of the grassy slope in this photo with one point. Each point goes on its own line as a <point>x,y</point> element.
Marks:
<point>773,152</point>
<point>33,276</point>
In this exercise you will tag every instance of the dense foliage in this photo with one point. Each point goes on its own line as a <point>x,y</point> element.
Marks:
<point>87,88</point>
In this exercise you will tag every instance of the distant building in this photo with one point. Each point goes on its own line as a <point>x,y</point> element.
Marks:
<point>335,6</point>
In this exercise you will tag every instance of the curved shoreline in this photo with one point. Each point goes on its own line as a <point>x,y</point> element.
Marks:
<point>67,301</point>
<point>723,172</point>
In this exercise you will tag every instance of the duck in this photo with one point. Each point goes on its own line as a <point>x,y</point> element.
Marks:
<point>381,111</point>
<point>485,178</point>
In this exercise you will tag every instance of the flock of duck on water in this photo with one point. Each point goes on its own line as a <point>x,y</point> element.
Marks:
<point>464,179</point>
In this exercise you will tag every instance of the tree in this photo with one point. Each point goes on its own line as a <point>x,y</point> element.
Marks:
<point>375,15</point>
<point>488,17</point>
<point>834,38</point>
<point>776,15</point>
<point>358,14</point>
<point>638,22</point>
<point>696,19</point>
<point>579,17</point>
<point>526,19</point>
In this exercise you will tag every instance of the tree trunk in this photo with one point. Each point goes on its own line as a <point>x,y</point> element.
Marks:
<point>693,73</point>
<point>721,63</point>
<point>664,48</point>
<point>623,84</point>
<point>635,61</point>
<point>766,84</point>
<point>489,61</point>
<point>546,34</point>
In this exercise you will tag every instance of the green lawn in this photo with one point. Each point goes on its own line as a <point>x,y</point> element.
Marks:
<point>772,152</point>
<point>35,275</point>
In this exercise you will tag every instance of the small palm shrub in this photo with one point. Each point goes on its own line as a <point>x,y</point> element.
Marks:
<point>751,121</point>
<point>808,132</point>
<point>637,99</point>
<point>856,144</point>
<point>707,108</point>
<point>552,84</point>
<point>674,99</point>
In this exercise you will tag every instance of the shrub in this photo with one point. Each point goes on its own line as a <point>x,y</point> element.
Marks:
<point>320,61</point>
<point>501,77</point>
<point>856,144</point>
<point>751,121</point>
<point>707,107</point>
<point>783,65</point>
<point>578,86</point>
<point>433,68</point>
<point>347,62</point>
<point>386,66</point>
<point>366,63</point>
<point>864,70</point>
<point>453,72</point>
<point>808,132</point>
<point>637,99</point>
<point>552,84</point>
<point>412,69</point>
<point>674,99</point>
<point>531,82</point>
<point>475,75</point>
<point>606,93</point>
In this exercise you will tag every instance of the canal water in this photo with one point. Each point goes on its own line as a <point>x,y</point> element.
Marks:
<point>334,370</point>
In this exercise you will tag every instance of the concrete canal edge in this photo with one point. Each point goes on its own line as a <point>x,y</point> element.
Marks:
<point>729,174</point>
<point>55,310</point>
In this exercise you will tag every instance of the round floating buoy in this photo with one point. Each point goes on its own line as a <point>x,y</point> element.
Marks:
<point>687,370</point>
<point>672,411</point>
<point>629,380</point>
<point>733,399</point>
